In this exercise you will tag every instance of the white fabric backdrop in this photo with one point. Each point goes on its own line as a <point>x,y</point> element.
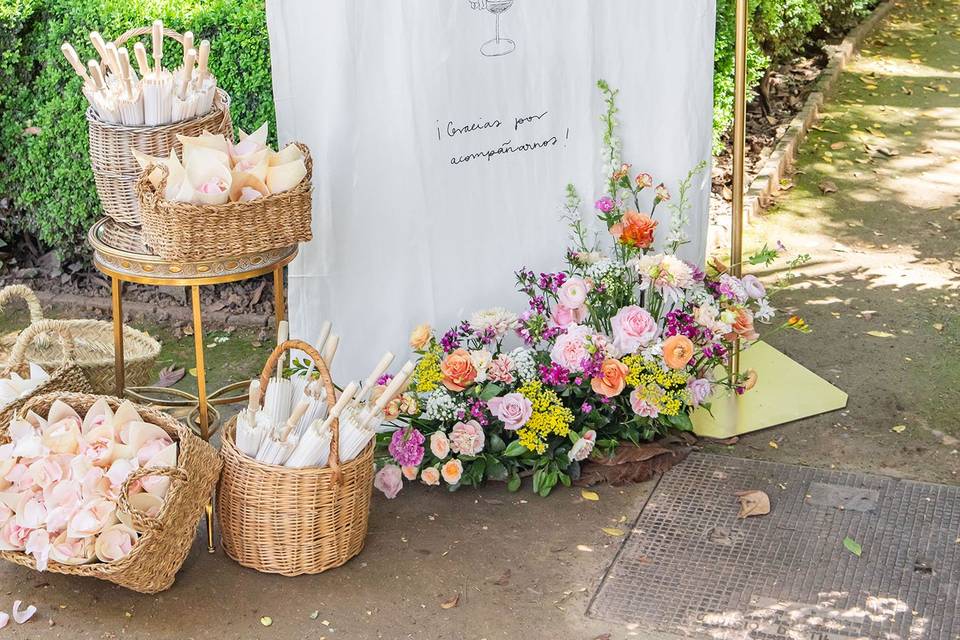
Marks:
<point>378,89</point>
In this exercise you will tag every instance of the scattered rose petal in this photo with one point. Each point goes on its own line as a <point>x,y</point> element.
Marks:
<point>22,616</point>
<point>503,580</point>
<point>451,602</point>
<point>315,615</point>
<point>583,547</point>
<point>753,503</point>
<point>5,617</point>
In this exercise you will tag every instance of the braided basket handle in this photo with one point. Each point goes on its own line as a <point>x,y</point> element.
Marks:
<point>321,366</point>
<point>27,294</point>
<point>147,193</point>
<point>143,31</point>
<point>140,520</point>
<point>36,331</point>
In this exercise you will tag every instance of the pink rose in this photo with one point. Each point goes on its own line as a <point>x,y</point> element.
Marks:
<point>430,476</point>
<point>564,317</point>
<point>466,438</point>
<point>633,327</point>
<point>573,293</point>
<point>500,370</point>
<point>753,286</point>
<point>570,349</point>
<point>642,407</point>
<point>389,480</point>
<point>582,448</point>
<point>439,445</point>
<point>513,409</point>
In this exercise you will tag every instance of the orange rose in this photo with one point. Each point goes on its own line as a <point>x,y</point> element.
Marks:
<point>420,337</point>
<point>743,327</point>
<point>458,370</point>
<point>677,351</point>
<point>612,378</point>
<point>635,230</point>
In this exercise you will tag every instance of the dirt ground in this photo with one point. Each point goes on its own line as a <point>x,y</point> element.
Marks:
<point>875,202</point>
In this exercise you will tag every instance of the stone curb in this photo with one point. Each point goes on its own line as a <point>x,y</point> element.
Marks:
<point>766,183</point>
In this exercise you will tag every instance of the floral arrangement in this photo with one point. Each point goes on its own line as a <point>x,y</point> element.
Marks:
<point>60,482</point>
<point>620,346</point>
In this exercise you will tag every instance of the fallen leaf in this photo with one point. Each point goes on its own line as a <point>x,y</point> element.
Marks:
<point>852,546</point>
<point>881,334</point>
<point>169,376</point>
<point>451,602</point>
<point>613,531</point>
<point>193,371</point>
<point>589,495</point>
<point>773,445</point>
<point>938,326</point>
<point>753,503</point>
<point>503,580</point>
<point>838,145</point>
<point>266,621</point>
<point>827,186</point>
<point>900,428</point>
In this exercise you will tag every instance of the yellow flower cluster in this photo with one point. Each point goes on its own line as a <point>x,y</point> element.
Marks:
<point>666,389</point>
<point>427,374</point>
<point>549,417</point>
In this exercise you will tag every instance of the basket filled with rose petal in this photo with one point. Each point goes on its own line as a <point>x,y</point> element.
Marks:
<point>99,487</point>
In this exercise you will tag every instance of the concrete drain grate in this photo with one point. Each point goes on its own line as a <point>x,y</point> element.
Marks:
<point>690,566</point>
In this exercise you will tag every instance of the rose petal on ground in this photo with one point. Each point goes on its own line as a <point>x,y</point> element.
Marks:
<point>22,616</point>
<point>451,602</point>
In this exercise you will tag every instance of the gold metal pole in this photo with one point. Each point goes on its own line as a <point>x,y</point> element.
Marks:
<point>116,291</point>
<point>279,300</point>
<point>739,150</point>
<point>201,391</point>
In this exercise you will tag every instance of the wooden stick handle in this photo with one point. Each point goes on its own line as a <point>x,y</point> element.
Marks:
<point>253,403</point>
<point>157,45</point>
<point>187,45</point>
<point>378,371</point>
<point>97,40</point>
<point>140,52</point>
<point>203,59</point>
<point>96,74</point>
<point>187,72</point>
<point>71,55</point>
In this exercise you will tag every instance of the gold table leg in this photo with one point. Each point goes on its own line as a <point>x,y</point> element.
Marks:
<point>201,392</point>
<point>279,300</point>
<point>116,289</point>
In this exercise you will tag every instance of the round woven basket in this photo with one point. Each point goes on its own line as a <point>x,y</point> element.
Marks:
<point>185,231</point>
<point>67,377</point>
<point>116,171</point>
<point>92,351</point>
<point>165,539</point>
<point>293,521</point>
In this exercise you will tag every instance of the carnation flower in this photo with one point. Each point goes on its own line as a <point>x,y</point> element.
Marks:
<point>642,407</point>
<point>406,447</point>
<point>582,448</point>
<point>501,369</point>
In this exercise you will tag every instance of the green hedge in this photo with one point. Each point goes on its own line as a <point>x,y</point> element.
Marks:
<point>46,187</point>
<point>46,177</point>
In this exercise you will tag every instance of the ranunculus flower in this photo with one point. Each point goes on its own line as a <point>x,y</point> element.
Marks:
<point>439,445</point>
<point>612,378</point>
<point>570,349</point>
<point>513,409</point>
<point>458,370</point>
<point>410,473</point>
<point>466,438</point>
<point>115,543</point>
<point>633,328</point>
<point>677,351</point>
<point>742,326</point>
<point>753,286</point>
<point>642,407</point>
<point>564,317</point>
<point>420,337</point>
<point>573,293</point>
<point>634,230</point>
<point>389,480</point>
<point>430,476</point>
<point>452,471</point>
<point>582,448</point>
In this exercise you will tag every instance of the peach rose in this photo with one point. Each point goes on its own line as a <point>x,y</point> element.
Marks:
<point>458,370</point>
<point>420,337</point>
<point>439,445</point>
<point>410,473</point>
<point>635,230</point>
<point>451,471</point>
<point>742,326</point>
<point>612,378</point>
<point>430,476</point>
<point>677,351</point>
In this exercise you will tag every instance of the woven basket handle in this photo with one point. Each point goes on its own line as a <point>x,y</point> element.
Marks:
<point>140,520</point>
<point>27,294</point>
<point>321,366</point>
<point>145,188</point>
<point>144,31</point>
<point>37,331</point>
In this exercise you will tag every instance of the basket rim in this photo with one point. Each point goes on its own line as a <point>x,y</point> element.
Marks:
<point>221,105</point>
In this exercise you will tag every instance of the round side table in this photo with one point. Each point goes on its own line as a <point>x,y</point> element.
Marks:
<point>119,253</point>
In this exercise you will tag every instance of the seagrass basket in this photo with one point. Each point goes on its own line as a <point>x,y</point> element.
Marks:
<point>93,352</point>
<point>7,294</point>
<point>67,377</point>
<point>293,521</point>
<point>185,231</point>
<point>116,171</point>
<point>166,538</point>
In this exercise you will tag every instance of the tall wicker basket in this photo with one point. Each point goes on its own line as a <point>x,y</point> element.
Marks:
<point>165,539</point>
<point>116,171</point>
<point>293,521</point>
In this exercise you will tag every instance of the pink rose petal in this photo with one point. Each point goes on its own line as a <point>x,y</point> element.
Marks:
<point>4,619</point>
<point>22,616</point>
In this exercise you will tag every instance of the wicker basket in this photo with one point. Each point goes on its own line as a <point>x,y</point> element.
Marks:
<point>93,352</point>
<point>293,521</point>
<point>165,539</point>
<point>116,171</point>
<point>184,231</point>
<point>67,377</point>
<point>33,304</point>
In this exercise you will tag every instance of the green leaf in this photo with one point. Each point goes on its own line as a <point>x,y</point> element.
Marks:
<point>574,436</point>
<point>496,470</point>
<point>515,449</point>
<point>681,421</point>
<point>495,443</point>
<point>490,391</point>
<point>513,484</point>
<point>852,546</point>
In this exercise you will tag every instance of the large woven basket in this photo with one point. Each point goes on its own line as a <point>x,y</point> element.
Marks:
<point>93,352</point>
<point>7,294</point>
<point>67,377</point>
<point>293,521</point>
<point>166,539</point>
<point>184,231</point>
<point>116,171</point>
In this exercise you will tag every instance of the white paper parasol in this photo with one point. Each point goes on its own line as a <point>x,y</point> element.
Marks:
<point>129,100</point>
<point>314,446</point>
<point>278,446</point>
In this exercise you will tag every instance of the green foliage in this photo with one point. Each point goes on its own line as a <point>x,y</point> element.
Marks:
<point>47,180</point>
